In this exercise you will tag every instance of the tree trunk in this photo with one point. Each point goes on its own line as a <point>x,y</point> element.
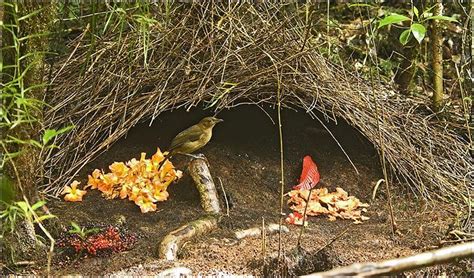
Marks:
<point>408,67</point>
<point>437,58</point>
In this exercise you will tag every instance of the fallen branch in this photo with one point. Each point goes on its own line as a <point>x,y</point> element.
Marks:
<point>171,243</point>
<point>434,257</point>
<point>257,231</point>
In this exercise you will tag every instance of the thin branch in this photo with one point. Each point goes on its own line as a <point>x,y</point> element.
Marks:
<point>434,257</point>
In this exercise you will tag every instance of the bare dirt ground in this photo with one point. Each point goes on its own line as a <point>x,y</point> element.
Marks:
<point>244,154</point>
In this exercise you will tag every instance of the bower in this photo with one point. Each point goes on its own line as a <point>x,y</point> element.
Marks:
<point>219,57</point>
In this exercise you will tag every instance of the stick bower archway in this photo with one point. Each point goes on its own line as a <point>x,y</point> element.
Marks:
<point>223,55</point>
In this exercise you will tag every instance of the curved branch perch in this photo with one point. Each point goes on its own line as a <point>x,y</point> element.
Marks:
<point>171,244</point>
<point>201,175</point>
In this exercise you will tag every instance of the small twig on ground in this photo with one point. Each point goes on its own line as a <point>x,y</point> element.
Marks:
<point>225,197</point>
<point>270,228</point>
<point>24,263</point>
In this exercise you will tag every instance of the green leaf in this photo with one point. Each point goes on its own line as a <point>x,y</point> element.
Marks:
<point>52,146</point>
<point>405,37</point>
<point>33,13</point>
<point>51,133</point>
<point>418,31</point>
<point>392,19</point>
<point>23,206</point>
<point>415,11</point>
<point>66,129</point>
<point>75,227</point>
<point>48,135</point>
<point>37,205</point>
<point>442,17</point>
<point>44,217</point>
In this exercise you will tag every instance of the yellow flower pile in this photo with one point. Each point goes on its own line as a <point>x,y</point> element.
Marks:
<point>138,180</point>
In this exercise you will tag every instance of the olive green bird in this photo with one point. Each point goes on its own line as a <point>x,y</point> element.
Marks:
<point>193,138</point>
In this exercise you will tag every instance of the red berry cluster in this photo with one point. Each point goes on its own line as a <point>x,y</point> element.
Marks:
<point>106,241</point>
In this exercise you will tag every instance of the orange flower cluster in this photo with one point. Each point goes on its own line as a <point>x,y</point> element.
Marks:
<point>139,180</point>
<point>333,204</point>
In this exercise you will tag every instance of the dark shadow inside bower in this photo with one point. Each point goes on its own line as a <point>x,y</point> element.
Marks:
<point>244,154</point>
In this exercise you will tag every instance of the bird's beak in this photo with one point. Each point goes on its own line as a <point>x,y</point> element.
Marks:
<point>219,120</point>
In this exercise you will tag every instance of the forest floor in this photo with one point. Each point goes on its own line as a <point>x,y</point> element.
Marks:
<point>244,154</point>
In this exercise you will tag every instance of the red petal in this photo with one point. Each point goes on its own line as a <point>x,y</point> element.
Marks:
<point>297,214</point>
<point>309,175</point>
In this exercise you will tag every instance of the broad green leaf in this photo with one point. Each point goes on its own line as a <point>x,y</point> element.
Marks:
<point>392,19</point>
<point>48,135</point>
<point>405,37</point>
<point>415,11</point>
<point>418,31</point>
<point>51,133</point>
<point>442,17</point>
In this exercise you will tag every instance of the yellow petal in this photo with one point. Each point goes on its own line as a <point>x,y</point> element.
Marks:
<point>157,157</point>
<point>67,189</point>
<point>73,193</point>
<point>145,204</point>
<point>119,169</point>
<point>161,196</point>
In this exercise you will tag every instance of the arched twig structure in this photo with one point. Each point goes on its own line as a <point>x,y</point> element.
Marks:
<point>221,55</point>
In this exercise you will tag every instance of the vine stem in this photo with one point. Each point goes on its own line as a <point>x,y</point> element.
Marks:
<point>282,178</point>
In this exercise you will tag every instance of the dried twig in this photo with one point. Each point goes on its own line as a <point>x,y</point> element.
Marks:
<point>439,256</point>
